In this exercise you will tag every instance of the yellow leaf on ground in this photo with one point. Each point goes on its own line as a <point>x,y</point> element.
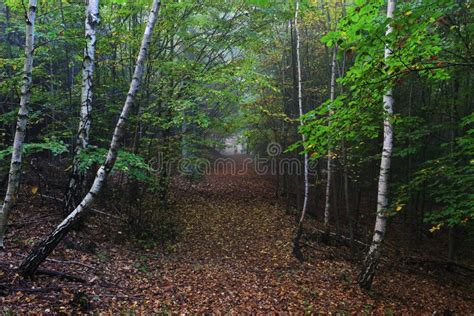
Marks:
<point>34,189</point>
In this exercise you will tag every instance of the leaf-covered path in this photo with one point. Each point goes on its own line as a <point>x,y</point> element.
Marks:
<point>233,255</point>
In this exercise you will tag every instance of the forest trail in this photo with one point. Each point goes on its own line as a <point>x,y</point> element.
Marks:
<point>233,255</point>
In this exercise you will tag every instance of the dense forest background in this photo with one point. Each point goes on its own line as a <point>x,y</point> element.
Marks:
<point>364,107</point>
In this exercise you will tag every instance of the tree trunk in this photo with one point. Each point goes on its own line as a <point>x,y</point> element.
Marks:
<point>74,190</point>
<point>370,263</point>
<point>39,253</point>
<point>451,243</point>
<point>349,212</point>
<point>329,158</point>
<point>299,230</point>
<point>68,78</point>
<point>15,165</point>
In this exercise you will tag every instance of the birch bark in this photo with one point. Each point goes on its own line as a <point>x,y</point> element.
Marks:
<point>369,266</point>
<point>327,205</point>
<point>22,119</point>
<point>82,141</point>
<point>299,230</point>
<point>41,251</point>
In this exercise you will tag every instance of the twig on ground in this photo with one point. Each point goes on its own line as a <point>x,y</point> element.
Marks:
<point>338,236</point>
<point>37,290</point>
<point>63,275</point>
<point>50,273</point>
<point>64,261</point>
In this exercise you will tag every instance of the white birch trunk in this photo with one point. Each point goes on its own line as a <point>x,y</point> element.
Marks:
<point>15,165</point>
<point>47,245</point>
<point>88,62</point>
<point>370,263</point>
<point>91,21</point>
<point>296,246</point>
<point>327,205</point>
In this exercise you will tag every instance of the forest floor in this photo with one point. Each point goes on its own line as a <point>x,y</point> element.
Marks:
<point>233,255</point>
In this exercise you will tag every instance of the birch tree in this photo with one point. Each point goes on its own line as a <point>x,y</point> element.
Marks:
<point>327,205</point>
<point>82,141</point>
<point>22,119</point>
<point>41,251</point>
<point>371,260</point>
<point>299,230</point>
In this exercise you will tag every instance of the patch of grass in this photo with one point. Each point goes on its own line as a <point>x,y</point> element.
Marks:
<point>141,265</point>
<point>103,256</point>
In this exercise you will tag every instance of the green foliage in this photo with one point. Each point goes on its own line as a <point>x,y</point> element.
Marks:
<point>55,147</point>
<point>127,162</point>
<point>448,181</point>
<point>428,41</point>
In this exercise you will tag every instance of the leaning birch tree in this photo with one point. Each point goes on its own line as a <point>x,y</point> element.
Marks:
<point>41,251</point>
<point>82,141</point>
<point>22,119</point>
<point>299,230</point>
<point>369,266</point>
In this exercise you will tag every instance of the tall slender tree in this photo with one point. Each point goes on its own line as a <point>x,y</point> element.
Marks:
<point>92,19</point>
<point>332,93</point>
<point>299,230</point>
<point>40,252</point>
<point>22,119</point>
<point>369,266</point>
